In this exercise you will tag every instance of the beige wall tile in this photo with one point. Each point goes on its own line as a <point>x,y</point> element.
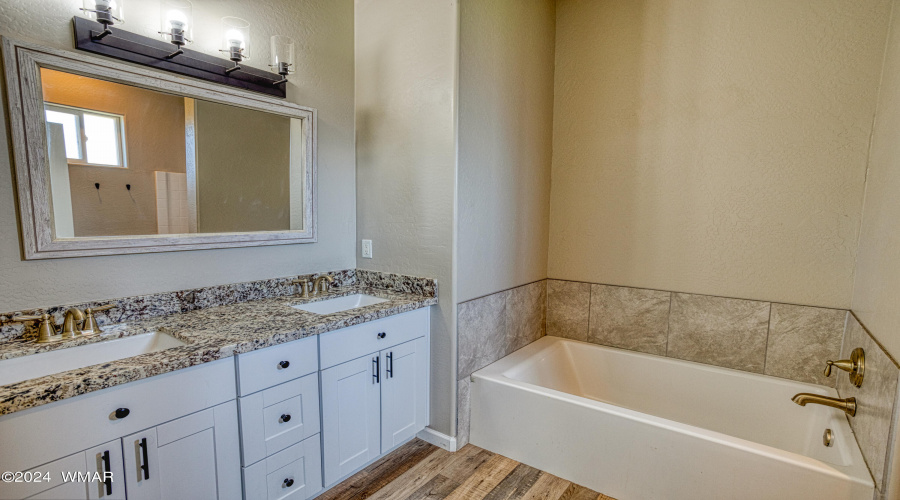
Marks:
<point>630,318</point>
<point>568,308</point>
<point>801,339</point>
<point>526,308</point>
<point>875,400</point>
<point>463,411</point>
<point>483,329</point>
<point>719,331</point>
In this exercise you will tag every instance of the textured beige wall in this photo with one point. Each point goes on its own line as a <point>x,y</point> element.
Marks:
<point>713,147</point>
<point>876,291</point>
<point>406,74</point>
<point>505,139</point>
<point>324,80</point>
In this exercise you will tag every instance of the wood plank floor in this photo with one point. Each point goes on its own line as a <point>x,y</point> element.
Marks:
<point>421,471</point>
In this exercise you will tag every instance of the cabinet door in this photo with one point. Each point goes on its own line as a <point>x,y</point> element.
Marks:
<point>196,457</point>
<point>403,393</point>
<point>351,419</point>
<point>141,465</point>
<point>66,491</point>
<point>107,462</point>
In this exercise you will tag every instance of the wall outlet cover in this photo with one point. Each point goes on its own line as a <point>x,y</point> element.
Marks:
<point>367,249</point>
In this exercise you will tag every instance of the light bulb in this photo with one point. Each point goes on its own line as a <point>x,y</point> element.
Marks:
<point>177,20</point>
<point>103,4</point>
<point>235,39</point>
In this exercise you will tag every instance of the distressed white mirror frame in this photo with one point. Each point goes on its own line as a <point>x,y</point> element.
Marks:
<point>22,63</point>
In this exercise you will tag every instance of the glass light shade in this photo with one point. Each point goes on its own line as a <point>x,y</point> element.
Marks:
<point>281,58</point>
<point>236,36</point>
<point>104,11</point>
<point>176,22</point>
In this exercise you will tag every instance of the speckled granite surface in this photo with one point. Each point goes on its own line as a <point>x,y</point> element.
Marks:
<point>210,333</point>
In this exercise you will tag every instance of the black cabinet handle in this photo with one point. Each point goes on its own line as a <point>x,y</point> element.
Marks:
<point>390,364</point>
<point>122,412</point>
<point>376,369</point>
<point>288,482</point>
<point>286,417</point>
<point>382,335</point>
<point>108,472</point>
<point>284,364</point>
<point>146,465</point>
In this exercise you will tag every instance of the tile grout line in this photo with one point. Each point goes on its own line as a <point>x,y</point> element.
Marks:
<point>669,322</point>
<point>768,332</point>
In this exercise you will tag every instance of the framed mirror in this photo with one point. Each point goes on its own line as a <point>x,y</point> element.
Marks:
<point>113,159</point>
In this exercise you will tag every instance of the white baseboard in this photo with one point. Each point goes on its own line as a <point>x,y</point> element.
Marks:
<point>436,438</point>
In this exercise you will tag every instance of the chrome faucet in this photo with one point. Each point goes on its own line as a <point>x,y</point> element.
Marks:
<point>848,405</point>
<point>320,286</point>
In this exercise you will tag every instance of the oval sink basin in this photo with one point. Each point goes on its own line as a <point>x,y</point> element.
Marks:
<point>339,304</point>
<point>62,360</point>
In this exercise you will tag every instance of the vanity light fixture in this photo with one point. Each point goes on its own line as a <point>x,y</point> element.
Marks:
<point>92,34</point>
<point>235,40</point>
<point>105,12</point>
<point>282,57</point>
<point>176,24</point>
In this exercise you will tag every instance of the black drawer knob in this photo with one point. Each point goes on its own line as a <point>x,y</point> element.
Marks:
<point>122,412</point>
<point>382,335</point>
<point>288,483</point>
<point>286,417</point>
<point>284,364</point>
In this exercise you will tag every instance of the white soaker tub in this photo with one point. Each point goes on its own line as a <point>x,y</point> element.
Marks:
<point>636,426</point>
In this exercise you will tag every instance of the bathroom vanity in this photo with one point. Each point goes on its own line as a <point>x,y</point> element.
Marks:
<point>282,405</point>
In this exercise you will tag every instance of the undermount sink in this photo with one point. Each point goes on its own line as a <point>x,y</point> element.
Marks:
<point>62,360</point>
<point>339,304</point>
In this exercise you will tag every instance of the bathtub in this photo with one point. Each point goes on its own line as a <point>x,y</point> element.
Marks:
<point>636,426</point>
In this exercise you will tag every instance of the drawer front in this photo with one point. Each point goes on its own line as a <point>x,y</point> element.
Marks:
<point>350,343</point>
<point>274,365</point>
<point>72,463</point>
<point>150,401</point>
<point>294,473</point>
<point>276,418</point>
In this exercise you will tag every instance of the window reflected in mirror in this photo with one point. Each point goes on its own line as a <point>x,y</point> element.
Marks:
<point>128,161</point>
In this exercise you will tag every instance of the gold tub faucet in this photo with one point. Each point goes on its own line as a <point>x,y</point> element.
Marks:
<point>848,405</point>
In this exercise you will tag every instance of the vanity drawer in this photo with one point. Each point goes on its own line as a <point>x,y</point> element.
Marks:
<point>350,343</point>
<point>271,366</point>
<point>150,401</point>
<point>294,473</point>
<point>264,431</point>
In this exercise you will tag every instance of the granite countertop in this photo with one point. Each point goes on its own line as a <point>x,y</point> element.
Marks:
<point>210,334</point>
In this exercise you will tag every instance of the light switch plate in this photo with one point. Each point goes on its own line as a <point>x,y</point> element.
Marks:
<point>367,249</point>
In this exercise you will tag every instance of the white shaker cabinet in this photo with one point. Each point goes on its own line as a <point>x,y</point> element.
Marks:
<point>192,457</point>
<point>165,437</point>
<point>372,403</point>
<point>403,393</point>
<point>351,416</point>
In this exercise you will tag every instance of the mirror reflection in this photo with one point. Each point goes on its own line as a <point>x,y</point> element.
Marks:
<point>124,160</point>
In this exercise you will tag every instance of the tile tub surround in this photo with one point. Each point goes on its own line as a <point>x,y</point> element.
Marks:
<point>724,332</point>
<point>210,334</point>
<point>781,340</point>
<point>876,399</point>
<point>166,303</point>
<point>491,327</point>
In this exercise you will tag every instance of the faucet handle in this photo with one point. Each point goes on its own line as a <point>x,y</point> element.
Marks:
<point>856,366</point>
<point>46,329</point>
<point>303,286</point>
<point>90,326</point>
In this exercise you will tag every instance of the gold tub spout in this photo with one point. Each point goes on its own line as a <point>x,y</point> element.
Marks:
<point>848,404</point>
